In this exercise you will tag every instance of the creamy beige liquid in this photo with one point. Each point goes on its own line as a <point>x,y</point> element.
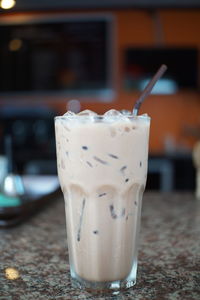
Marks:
<point>102,168</point>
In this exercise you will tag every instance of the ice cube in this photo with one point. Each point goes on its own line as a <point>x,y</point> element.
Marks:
<point>125,112</point>
<point>112,113</point>
<point>69,114</point>
<point>115,115</point>
<point>87,112</point>
<point>68,117</point>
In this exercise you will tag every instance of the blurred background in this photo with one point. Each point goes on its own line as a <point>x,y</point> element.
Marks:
<point>75,55</point>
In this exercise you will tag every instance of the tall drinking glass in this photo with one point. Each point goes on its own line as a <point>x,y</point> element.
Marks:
<point>102,168</point>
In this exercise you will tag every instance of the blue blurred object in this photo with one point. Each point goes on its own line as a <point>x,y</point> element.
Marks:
<point>163,86</point>
<point>6,201</point>
<point>12,188</point>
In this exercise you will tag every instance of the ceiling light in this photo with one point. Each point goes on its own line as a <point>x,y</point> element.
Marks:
<point>15,45</point>
<point>7,4</point>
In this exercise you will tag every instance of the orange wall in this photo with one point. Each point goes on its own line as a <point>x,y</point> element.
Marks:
<point>170,113</point>
<point>181,27</point>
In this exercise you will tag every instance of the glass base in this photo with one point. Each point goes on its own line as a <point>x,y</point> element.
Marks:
<point>113,287</point>
<point>105,287</point>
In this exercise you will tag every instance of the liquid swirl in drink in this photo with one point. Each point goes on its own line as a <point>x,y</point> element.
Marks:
<point>102,167</point>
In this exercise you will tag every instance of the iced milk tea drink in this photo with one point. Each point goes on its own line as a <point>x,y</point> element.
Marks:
<point>102,168</point>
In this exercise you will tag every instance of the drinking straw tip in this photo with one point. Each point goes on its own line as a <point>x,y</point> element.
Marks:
<point>149,88</point>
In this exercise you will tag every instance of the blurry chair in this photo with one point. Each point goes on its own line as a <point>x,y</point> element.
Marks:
<point>32,131</point>
<point>163,167</point>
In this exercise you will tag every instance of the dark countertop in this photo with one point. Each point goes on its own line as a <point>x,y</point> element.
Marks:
<point>169,254</point>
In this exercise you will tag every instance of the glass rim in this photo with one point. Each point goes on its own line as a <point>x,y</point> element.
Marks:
<point>102,117</point>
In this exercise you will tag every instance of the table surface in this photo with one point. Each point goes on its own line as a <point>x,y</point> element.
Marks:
<point>169,254</point>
